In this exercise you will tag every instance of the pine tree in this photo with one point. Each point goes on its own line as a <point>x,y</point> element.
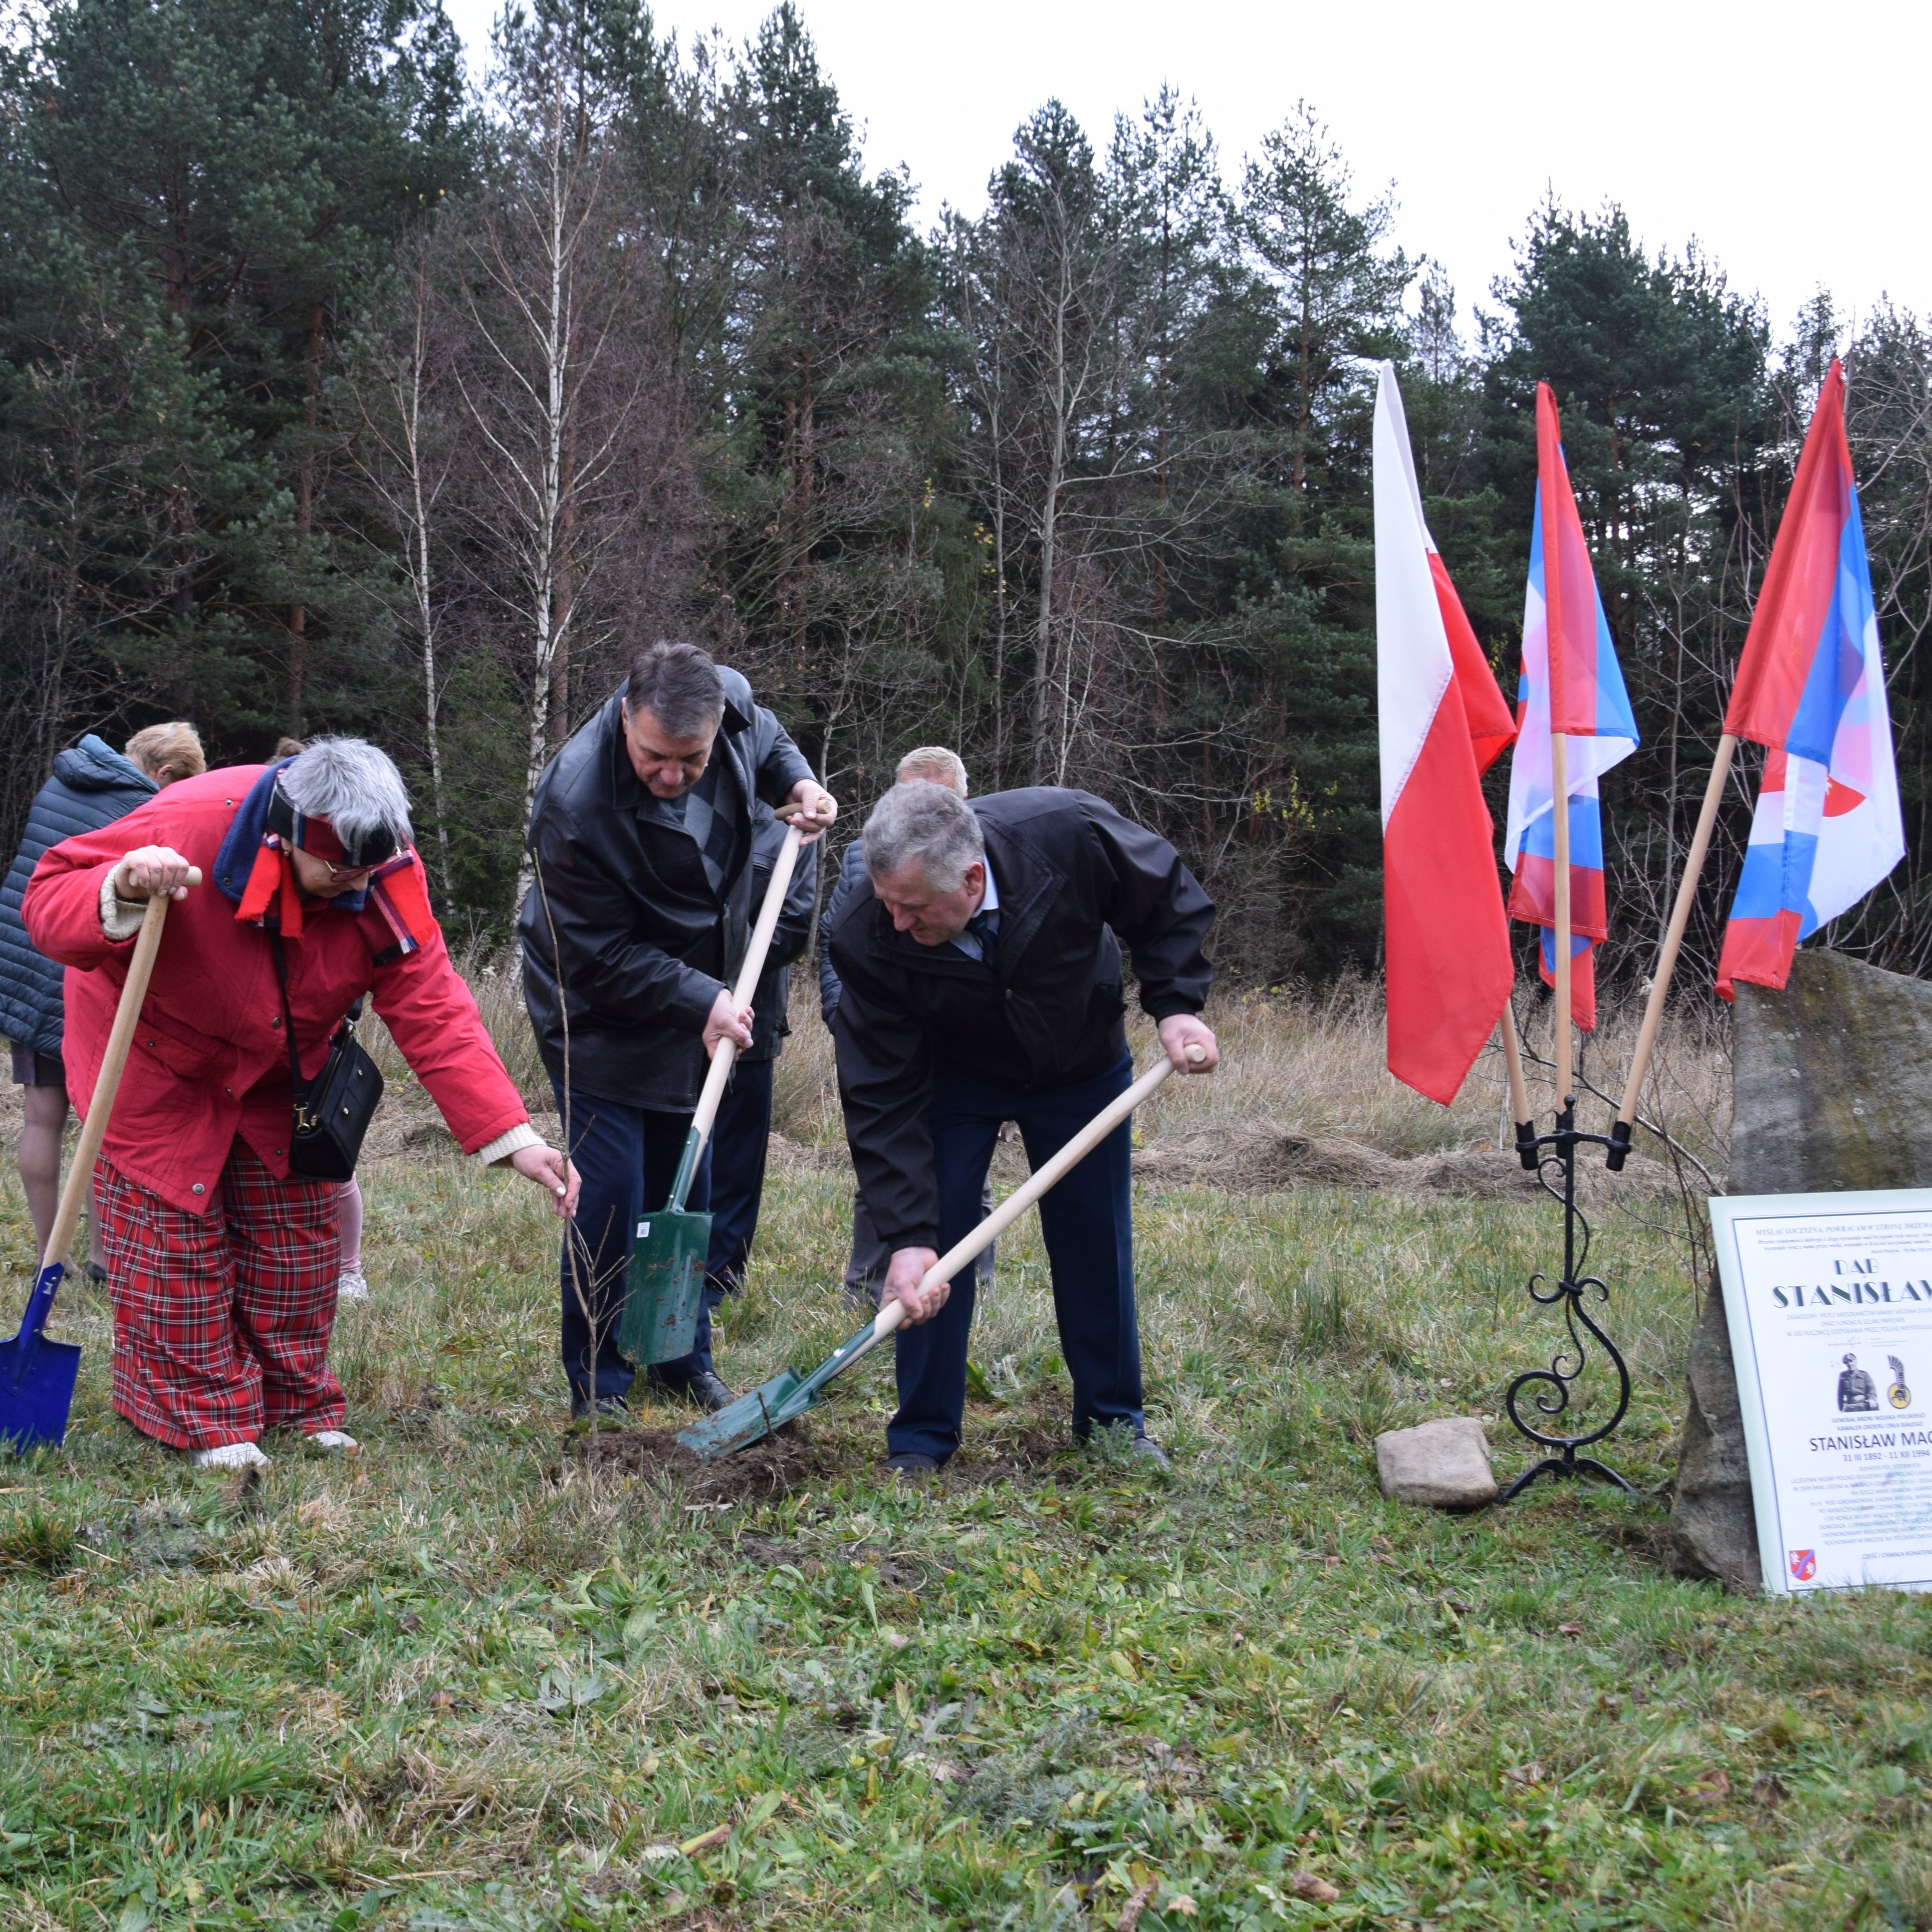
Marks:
<point>1335,288</point>
<point>1660,373</point>
<point>826,397</point>
<point>1340,290</point>
<point>213,189</point>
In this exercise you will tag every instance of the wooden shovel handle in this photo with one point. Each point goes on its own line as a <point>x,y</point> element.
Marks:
<point>107,1082</point>
<point>1035,1184</point>
<point>709,1100</point>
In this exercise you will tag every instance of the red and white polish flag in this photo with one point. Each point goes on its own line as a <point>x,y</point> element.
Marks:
<point>1442,722</point>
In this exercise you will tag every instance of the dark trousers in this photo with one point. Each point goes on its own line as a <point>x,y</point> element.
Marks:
<point>738,1139</point>
<point>1087,1222</point>
<point>628,1157</point>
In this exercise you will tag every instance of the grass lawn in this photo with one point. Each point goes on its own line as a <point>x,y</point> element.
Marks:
<point>473,1680</point>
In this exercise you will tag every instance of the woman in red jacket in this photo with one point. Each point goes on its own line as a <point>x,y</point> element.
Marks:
<point>221,1264</point>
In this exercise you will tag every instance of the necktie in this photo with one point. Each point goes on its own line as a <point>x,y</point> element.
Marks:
<point>984,927</point>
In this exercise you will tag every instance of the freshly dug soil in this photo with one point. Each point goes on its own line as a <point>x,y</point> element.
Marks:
<point>771,1466</point>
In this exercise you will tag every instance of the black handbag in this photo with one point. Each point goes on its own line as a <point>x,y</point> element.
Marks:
<point>333,1110</point>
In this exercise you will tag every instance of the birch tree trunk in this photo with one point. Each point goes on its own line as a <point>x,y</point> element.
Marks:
<point>393,395</point>
<point>543,307</point>
<point>1049,529</point>
<point>298,617</point>
<point>543,559</point>
<point>421,584</point>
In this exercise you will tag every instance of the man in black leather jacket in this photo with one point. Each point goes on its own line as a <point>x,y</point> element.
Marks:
<point>637,921</point>
<point>982,981</point>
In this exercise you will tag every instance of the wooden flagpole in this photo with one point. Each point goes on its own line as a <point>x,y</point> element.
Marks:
<point>1521,1118</point>
<point>1519,1090</point>
<point>1559,777</point>
<point>1673,941</point>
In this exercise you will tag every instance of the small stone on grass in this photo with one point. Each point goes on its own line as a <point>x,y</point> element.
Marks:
<point>1441,1464</point>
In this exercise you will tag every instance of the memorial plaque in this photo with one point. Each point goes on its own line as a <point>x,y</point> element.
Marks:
<point>1829,1298</point>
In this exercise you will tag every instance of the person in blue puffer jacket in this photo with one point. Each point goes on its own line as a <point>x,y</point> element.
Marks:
<point>92,785</point>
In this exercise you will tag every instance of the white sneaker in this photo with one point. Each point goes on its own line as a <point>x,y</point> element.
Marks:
<point>228,1456</point>
<point>336,1441</point>
<point>351,1286</point>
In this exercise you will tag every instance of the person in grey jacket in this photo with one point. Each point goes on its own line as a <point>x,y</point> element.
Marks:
<point>639,913</point>
<point>92,785</point>
<point>866,1267</point>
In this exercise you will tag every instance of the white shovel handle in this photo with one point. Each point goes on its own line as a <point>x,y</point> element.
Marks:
<point>713,1093</point>
<point>1036,1183</point>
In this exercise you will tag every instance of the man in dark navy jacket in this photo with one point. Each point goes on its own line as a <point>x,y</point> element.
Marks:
<point>982,981</point>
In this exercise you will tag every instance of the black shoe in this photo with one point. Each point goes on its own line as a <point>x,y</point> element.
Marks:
<point>1149,1451</point>
<point>911,1462</point>
<point>704,1391</point>
<point>709,1392</point>
<point>96,1273</point>
<point>611,1408</point>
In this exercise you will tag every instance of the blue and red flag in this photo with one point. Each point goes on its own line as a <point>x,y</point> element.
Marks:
<point>1571,683</point>
<point>1810,688</point>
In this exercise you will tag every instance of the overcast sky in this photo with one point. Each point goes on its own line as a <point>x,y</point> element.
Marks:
<point>1790,140</point>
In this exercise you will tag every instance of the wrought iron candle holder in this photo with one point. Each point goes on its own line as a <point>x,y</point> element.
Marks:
<point>1545,1155</point>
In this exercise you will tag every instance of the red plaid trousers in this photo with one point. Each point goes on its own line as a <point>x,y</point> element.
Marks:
<point>221,1323</point>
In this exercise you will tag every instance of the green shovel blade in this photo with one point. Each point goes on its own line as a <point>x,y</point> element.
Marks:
<point>666,1287</point>
<point>743,1422</point>
<point>788,1394</point>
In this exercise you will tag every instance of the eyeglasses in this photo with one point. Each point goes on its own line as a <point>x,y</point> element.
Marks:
<point>336,874</point>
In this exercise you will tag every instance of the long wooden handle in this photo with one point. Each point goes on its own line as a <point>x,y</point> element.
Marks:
<point>1519,1088</point>
<point>712,1096</point>
<point>107,1082</point>
<point>1673,934</point>
<point>1029,1190</point>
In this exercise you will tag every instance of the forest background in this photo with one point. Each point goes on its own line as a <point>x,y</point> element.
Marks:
<point>336,395</point>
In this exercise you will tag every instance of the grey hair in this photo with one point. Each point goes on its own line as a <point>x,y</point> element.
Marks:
<point>353,785</point>
<point>937,763</point>
<point>929,823</point>
<point>679,686</point>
